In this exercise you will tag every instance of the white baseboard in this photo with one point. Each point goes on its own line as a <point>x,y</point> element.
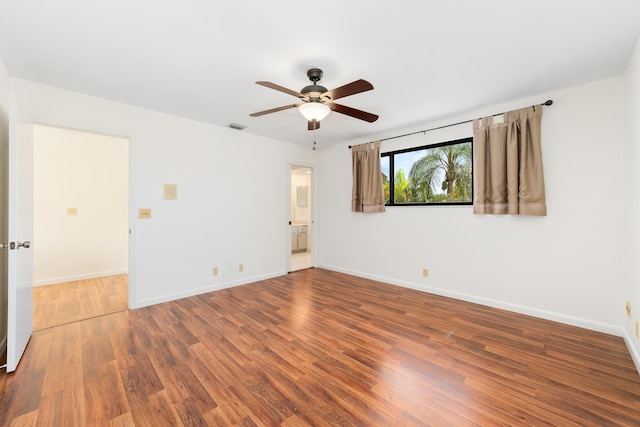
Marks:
<point>203,290</point>
<point>632,349</point>
<point>542,314</point>
<point>73,278</point>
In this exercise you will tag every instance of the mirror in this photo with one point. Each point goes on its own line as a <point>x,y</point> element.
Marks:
<point>301,195</point>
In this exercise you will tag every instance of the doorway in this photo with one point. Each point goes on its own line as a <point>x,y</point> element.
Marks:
<point>301,218</point>
<point>81,225</point>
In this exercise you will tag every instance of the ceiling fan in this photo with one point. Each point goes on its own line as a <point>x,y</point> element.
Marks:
<point>317,101</point>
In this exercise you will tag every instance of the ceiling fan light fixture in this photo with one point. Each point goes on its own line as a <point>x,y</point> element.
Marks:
<point>314,111</point>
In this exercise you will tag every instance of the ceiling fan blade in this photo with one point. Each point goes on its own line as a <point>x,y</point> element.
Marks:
<point>358,114</point>
<point>273,110</point>
<point>349,89</point>
<point>280,88</point>
<point>313,125</point>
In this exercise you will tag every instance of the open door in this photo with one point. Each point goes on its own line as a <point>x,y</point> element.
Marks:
<point>301,218</point>
<point>19,213</point>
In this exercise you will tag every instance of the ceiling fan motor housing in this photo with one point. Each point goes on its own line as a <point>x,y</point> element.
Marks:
<point>314,91</point>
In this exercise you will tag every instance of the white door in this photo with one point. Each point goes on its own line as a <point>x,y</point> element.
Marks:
<point>19,211</point>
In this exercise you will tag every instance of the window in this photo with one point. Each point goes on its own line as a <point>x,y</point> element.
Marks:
<point>438,174</point>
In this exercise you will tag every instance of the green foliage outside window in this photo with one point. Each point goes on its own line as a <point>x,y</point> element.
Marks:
<point>437,174</point>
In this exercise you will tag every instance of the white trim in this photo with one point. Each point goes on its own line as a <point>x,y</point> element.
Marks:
<point>632,350</point>
<point>287,210</point>
<point>74,278</point>
<point>313,218</point>
<point>542,314</point>
<point>132,285</point>
<point>205,289</point>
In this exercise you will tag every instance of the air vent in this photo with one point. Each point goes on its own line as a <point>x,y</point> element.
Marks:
<point>236,126</point>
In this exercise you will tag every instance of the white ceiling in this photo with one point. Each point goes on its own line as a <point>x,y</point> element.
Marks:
<point>427,59</point>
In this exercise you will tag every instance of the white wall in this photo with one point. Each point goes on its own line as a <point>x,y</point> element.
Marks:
<point>4,142</point>
<point>565,266</point>
<point>631,128</point>
<point>222,218</point>
<point>89,173</point>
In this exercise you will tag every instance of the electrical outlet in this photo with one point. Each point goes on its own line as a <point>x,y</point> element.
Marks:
<point>425,272</point>
<point>144,213</point>
<point>72,211</point>
<point>215,271</point>
<point>241,268</point>
<point>628,309</point>
<point>637,329</point>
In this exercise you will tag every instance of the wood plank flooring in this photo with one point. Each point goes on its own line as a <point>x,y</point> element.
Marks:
<point>62,303</point>
<point>321,348</point>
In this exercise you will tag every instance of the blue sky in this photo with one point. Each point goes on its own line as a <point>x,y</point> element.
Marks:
<point>404,161</point>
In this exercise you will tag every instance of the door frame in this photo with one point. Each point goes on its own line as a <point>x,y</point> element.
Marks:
<point>131,286</point>
<point>313,225</point>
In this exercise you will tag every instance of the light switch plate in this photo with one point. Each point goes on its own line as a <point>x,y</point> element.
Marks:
<point>171,191</point>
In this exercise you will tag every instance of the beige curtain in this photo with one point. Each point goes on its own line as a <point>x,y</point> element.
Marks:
<point>507,164</point>
<point>367,193</point>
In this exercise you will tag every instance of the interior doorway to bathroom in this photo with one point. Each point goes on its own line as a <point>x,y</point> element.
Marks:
<point>301,219</point>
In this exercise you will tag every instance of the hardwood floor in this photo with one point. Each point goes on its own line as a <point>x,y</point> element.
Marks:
<point>62,303</point>
<point>321,348</point>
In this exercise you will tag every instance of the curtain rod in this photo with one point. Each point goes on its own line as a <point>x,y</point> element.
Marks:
<point>547,103</point>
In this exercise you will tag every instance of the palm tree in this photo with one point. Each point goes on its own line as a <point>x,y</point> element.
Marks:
<point>452,165</point>
<point>401,192</point>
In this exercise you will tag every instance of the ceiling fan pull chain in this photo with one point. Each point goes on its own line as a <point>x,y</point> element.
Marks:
<point>314,138</point>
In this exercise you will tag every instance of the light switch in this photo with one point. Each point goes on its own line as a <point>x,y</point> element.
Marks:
<point>171,191</point>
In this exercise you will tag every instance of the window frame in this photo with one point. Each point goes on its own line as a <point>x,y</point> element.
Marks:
<point>392,172</point>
